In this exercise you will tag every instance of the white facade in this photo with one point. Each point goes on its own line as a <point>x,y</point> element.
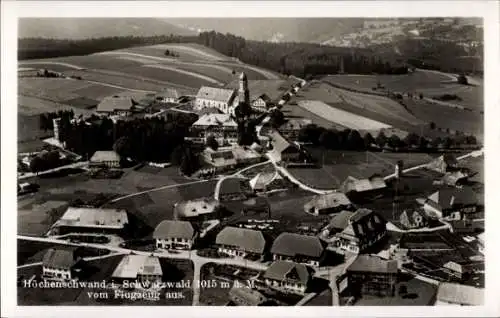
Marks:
<point>296,288</point>
<point>312,263</point>
<point>227,108</point>
<point>232,252</point>
<point>56,273</point>
<point>174,243</point>
<point>259,104</point>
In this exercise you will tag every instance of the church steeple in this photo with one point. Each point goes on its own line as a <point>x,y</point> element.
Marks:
<point>243,93</point>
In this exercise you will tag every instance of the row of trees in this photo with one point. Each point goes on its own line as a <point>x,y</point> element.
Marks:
<point>46,119</point>
<point>349,139</point>
<point>46,160</point>
<point>152,139</point>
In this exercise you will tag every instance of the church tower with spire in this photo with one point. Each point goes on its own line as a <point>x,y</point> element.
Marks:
<point>243,93</point>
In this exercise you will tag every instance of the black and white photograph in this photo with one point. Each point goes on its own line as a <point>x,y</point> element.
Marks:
<point>249,161</point>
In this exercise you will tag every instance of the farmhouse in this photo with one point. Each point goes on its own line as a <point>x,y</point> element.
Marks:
<point>362,230</point>
<point>93,220</point>
<point>328,203</point>
<point>59,264</point>
<point>452,203</point>
<point>288,276</point>
<point>221,98</point>
<point>116,105</point>
<point>455,178</point>
<point>454,269</point>
<point>108,159</point>
<point>372,275</point>
<point>174,235</point>
<point>262,103</point>
<point>267,181</point>
<point>282,149</point>
<point>413,219</point>
<point>169,95</point>
<point>358,188</point>
<point>303,249</point>
<point>243,295</point>
<point>462,295</point>
<point>202,209</point>
<point>241,242</point>
<point>143,268</point>
<point>219,160</point>
<point>222,126</point>
<point>444,163</point>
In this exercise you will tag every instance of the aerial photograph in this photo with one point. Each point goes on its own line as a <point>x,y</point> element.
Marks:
<point>250,162</point>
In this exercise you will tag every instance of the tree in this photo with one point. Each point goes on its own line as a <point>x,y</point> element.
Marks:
<point>471,140</point>
<point>37,164</point>
<point>277,118</point>
<point>394,141</point>
<point>177,154</point>
<point>432,125</point>
<point>189,162</point>
<point>423,143</point>
<point>212,142</point>
<point>403,290</point>
<point>329,139</point>
<point>412,139</point>
<point>368,140</point>
<point>462,79</point>
<point>381,139</point>
<point>354,140</point>
<point>123,147</point>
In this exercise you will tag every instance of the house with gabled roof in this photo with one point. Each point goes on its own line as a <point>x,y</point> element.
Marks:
<point>328,203</point>
<point>241,242</point>
<point>355,188</point>
<point>413,219</point>
<point>117,105</point>
<point>452,203</point>
<point>143,268</point>
<point>266,181</point>
<point>298,248</point>
<point>59,264</point>
<point>361,230</point>
<point>222,126</point>
<point>288,277</point>
<point>282,149</point>
<point>262,103</point>
<point>170,234</point>
<point>372,275</point>
<point>169,95</point>
<point>221,98</point>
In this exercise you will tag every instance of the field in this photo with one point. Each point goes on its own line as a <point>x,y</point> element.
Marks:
<point>341,117</point>
<point>429,83</point>
<point>338,165</point>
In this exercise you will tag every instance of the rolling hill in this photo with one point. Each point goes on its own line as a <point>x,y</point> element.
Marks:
<point>84,28</point>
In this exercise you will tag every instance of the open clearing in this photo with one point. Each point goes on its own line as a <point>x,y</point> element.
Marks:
<point>341,117</point>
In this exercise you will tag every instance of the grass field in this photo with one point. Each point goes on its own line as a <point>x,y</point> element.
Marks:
<point>429,83</point>
<point>341,117</point>
<point>338,165</point>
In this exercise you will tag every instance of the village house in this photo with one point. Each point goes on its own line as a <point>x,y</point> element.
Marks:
<point>240,242</point>
<point>288,276</point>
<point>221,98</point>
<point>233,189</point>
<point>456,270</point>
<point>201,209</point>
<point>359,188</point>
<point>372,275</point>
<point>283,150</point>
<point>169,95</point>
<point>362,230</point>
<point>444,163</point>
<point>291,128</point>
<point>262,103</point>
<point>143,268</point>
<point>116,105</point>
<point>461,295</point>
<point>267,181</point>
<point>91,220</point>
<point>59,264</point>
<point>413,219</point>
<point>298,248</point>
<point>222,126</point>
<point>108,159</point>
<point>179,235</point>
<point>242,295</point>
<point>219,160</point>
<point>328,204</point>
<point>452,203</point>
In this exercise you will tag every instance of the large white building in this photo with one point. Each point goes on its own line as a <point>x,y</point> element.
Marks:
<point>220,98</point>
<point>174,235</point>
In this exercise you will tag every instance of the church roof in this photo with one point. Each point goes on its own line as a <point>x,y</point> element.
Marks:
<point>217,94</point>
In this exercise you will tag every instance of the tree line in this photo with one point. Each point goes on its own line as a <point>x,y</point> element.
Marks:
<point>350,139</point>
<point>46,119</point>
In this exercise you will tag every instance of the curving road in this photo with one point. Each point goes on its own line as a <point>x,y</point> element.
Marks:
<point>197,260</point>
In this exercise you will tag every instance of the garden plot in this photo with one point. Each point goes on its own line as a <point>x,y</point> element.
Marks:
<point>341,117</point>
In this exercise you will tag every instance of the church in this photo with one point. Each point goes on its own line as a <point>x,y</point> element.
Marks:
<point>226,100</point>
